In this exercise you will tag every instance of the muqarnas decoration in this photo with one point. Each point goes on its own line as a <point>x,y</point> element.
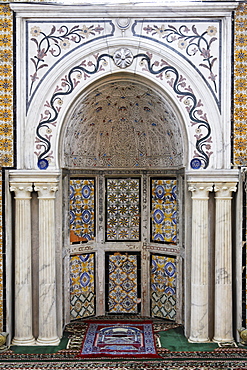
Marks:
<point>82,210</point>
<point>164,211</point>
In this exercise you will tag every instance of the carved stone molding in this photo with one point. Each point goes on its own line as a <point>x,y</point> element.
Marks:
<point>223,330</point>
<point>199,256</point>
<point>224,190</point>
<point>21,190</point>
<point>23,264</point>
<point>200,190</point>
<point>123,58</point>
<point>46,190</point>
<point>47,265</point>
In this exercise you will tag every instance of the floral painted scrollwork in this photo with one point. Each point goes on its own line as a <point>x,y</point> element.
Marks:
<point>58,40</point>
<point>160,69</point>
<point>48,119</point>
<point>190,41</point>
<point>193,107</point>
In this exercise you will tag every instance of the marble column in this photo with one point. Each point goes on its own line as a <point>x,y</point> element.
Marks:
<point>47,265</point>
<point>199,262</point>
<point>223,330</point>
<point>23,271</point>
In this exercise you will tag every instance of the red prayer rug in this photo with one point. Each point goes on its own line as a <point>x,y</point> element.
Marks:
<point>119,339</point>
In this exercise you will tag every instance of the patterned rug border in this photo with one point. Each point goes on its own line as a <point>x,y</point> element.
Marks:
<point>129,365</point>
<point>76,329</point>
<point>167,356</point>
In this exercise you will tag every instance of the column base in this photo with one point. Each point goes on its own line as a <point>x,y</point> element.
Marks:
<point>198,340</point>
<point>218,340</point>
<point>48,341</point>
<point>23,341</point>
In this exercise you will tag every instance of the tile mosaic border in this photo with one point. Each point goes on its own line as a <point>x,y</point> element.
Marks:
<point>240,86</point>
<point>6,87</point>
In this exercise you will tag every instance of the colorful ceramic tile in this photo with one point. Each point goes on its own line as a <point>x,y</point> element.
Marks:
<point>164,211</point>
<point>6,118</point>
<point>82,292</point>
<point>1,260</point>
<point>122,289</point>
<point>82,210</point>
<point>123,209</point>
<point>163,287</point>
<point>240,86</point>
<point>6,87</point>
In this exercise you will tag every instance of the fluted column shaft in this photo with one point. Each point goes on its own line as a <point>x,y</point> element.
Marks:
<point>23,271</point>
<point>199,264</point>
<point>223,330</point>
<point>47,266</point>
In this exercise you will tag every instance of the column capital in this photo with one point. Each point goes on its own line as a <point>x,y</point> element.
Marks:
<point>46,190</point>
<point>200,190</point>
<point>224,190</point>
<point>22,190</point>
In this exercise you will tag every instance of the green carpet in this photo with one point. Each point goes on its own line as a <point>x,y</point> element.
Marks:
<point>174,340</point>
<point>41,349</point>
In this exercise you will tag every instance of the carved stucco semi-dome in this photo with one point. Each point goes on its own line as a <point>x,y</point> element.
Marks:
<point>122,125</point>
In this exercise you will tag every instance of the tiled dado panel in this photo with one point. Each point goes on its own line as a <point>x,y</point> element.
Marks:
<point>82,210</point>
<point>1,262</point>
<point>6,87</point>
<point>163,287</point>
<point>82,290</point>
<point>240,87</point>
<point>240,112</point>
<point>164,211</point>
<point>6,120</point>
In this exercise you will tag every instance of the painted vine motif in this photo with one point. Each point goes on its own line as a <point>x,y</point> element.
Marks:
<point>58,40</point>
<point>189,40</point>
<point>186,95</point>
<point>159,68</point>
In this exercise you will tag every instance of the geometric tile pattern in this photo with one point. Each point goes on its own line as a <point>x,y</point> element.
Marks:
<point>6,87</point>
<point>82,210</point>
<point>1,258</point>
<point>82,293</point>
<point>123,209</point>
<point>240,87</point>
<point>164,211</point>
<point>163,287</point>
<point>6,120</point>
<point>122,294</point>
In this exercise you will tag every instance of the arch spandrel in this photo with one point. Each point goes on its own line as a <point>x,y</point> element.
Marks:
<point>199,116</point>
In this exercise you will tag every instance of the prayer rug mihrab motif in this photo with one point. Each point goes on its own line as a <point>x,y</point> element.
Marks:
<point>122,286</point>
<point>116,339</point>
<point>123,209</point>
<point>163,287</point>
<point>82,297</point>
<point>164,211</point>
<point>82,210</point>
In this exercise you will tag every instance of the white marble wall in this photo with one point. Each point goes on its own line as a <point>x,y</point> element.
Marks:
<point>217,178</point>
